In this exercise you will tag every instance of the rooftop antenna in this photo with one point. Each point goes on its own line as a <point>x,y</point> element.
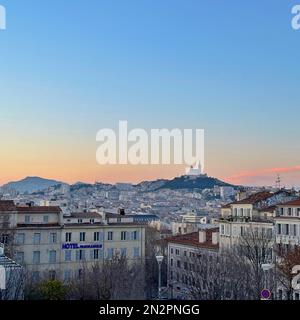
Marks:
<point>278,182</point>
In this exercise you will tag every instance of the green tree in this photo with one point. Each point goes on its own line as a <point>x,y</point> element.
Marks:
<point>53,290</point>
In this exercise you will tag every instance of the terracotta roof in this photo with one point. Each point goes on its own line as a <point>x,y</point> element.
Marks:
<point>226,206</point>
<point>39,209</point>
<point>192,239</point>
<point>7,205</point>
<point>268,209</point>
<point>84,215</point>
<point>291,203</point>
<point>254,198</point>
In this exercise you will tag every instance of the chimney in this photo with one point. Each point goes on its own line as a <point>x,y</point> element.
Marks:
<point>202,236</point>
<point>215,238</point>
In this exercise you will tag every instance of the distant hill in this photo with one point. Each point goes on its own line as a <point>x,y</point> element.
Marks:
<point>184,182</point>
<point>31,184</point>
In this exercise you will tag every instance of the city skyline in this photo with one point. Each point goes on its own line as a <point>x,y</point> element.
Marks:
<point>175,64</point>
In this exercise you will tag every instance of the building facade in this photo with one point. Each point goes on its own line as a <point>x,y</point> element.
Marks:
<point>183,254</point>
<point>51,245</point>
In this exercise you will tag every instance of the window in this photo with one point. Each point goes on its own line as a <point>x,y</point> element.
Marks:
<point>37,238</point>
<point>177,252</point>
<point>67,275</point>
<point>123,252</point>
<point>178,264</point>
<point>46,219</point>
<point>171,262</point>
<point>110,253</point>
<point>287,227</point>
<point>123,235</point>
<point>222,229</point>
<point>80,255</point>
<point>96,254</point>
<point>110,235</point>
<point>242,231</point>
<point>20,238</point>
<point>68,236</point>
<point>269,233</point>
<point>297,296</point>
<point>185,265</point>
<point>289,211</point>
<point>298,212</point>
<point>20,257</point>
<point>27,219</point>
<point>82,236</point>
<point>279,228</point>
<point>53,237</point>
<point>68,255</point>
<point>35,276</point>
<point>36,258</point>
<point>184,253</point>
<point>52,256</point>
<point>79,220</point>
<point>135,235</point>
<point>280,294</point>
<point>136,252</point>
<point>92,220</point>
<point>96,236</point>
<point>4,238</point>
<point>295,230</point>
<point>171,250</point>
<point>52,275</point>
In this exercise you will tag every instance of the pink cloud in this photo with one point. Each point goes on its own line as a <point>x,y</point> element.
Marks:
<point>244,176</point>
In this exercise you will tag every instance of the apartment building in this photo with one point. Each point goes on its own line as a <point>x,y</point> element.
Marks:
<point>287,235</point>
<point>287,223</point>
<point>251,214</point>
<point>183,254</point>
<point>52,245</point>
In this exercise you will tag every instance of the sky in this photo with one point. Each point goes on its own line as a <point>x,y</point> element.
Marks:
<point>70,68</point>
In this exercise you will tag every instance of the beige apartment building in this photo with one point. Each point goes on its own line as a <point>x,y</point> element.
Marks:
<point>252,214</point>
<point>184,252</point>
<point>52,245</point>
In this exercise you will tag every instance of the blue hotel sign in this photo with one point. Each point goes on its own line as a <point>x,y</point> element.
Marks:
<point>67,246</point>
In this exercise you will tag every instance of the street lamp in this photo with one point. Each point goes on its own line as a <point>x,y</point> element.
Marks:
<point>266,267</point>
<point>159,261</point>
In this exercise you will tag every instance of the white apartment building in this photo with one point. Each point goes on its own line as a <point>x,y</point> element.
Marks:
<point>287,232</point>
<point>51,245</point>
<point>287,223</point>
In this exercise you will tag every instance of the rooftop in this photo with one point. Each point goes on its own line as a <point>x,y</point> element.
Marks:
<point>295,203</point>
<point>192,239</point>
<point>38,209</point>
<point>84,215</point>
<point>254,198</point>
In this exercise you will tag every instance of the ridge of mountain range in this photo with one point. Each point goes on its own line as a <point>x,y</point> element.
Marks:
<point>36,184</point>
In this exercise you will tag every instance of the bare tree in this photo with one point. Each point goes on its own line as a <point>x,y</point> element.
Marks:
<point>287,259</point>
<point>212,276</point>
<point>256,248</point>
<point>114,279</point>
